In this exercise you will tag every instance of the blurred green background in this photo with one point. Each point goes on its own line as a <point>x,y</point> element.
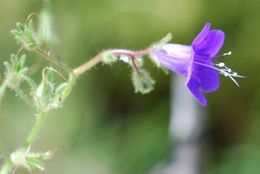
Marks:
<point>104,127</point>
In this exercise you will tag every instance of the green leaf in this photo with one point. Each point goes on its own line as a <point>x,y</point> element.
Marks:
<point>35,164</point>
<point>30,160</point>
<point>25,35</point>
<point>15,71</point>
<point>142,81</point>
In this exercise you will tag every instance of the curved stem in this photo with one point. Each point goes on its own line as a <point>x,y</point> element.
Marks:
<point>52,59</point>
<point>138,53</point>
<point>88,65</point>
<point>116,52</point>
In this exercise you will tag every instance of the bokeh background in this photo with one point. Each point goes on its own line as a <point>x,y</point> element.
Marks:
<point>104,127</point>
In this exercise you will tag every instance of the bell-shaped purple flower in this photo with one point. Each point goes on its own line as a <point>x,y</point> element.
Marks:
<point>196,62</point>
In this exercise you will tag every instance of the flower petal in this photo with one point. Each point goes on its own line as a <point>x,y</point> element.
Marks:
<point>175,57</point>
<point>209,78</point>
<point>211,44</point>
<point>170,63</point>
<point>202,35</point>
<point>194,86</point>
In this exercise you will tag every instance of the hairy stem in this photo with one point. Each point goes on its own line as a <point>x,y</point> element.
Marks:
<point>130,53</point>
<point>88,65</point>
<point>116,52</point>
<point>35,130</point>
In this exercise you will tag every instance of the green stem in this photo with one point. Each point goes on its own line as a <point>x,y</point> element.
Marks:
<point>3,88</point>
<point>8,165</point>
<point>35,130</point>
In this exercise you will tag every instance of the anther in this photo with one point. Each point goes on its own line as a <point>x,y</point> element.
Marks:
<point>221,64</point>
<point>227,54</point>
<point>224,54</point>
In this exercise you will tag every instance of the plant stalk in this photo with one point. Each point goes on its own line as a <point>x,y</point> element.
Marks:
<point>3,88</point>
<point>9,165</point>
<point>35,130</point>
<point>116,52</point>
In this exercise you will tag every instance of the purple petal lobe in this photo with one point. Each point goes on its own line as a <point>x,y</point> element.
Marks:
<point>209,78</point>
<point>202,35</point>
<point>211,44</point>
<point>194,86</point>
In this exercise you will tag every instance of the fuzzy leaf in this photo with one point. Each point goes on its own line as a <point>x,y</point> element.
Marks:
<point>25,35</point>
<point>29,160</point>
<point>142,81</point>
<point>15,71</point>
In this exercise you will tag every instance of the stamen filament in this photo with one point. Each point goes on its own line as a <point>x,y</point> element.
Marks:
<point>225,71</point>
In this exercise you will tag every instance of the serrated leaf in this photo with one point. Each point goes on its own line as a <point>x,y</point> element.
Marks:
<point>25,35</point>
<point>29,160</point>
<point>34,163</point>
<point>15,70</point>
<point>142,81</point>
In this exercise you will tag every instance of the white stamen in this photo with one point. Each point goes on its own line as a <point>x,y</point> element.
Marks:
<point>239,76</point>
<point>224,54</point>
<point>234,80</point>
<point>221,64</point>
<point>227,72</point>
<point>227,54</point>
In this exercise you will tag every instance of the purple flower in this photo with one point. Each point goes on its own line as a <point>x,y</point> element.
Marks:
<point>196,62</point>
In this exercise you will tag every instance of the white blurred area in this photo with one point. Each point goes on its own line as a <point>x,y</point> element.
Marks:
<point>186,126</point>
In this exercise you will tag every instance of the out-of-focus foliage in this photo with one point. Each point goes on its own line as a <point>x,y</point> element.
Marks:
<point>104,126</point>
